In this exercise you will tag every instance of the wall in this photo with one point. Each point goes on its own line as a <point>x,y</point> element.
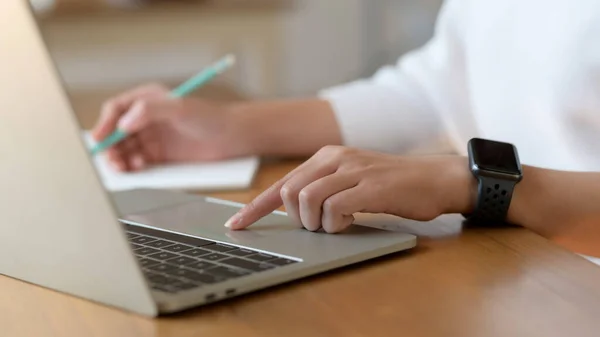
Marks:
<point>294,50</point>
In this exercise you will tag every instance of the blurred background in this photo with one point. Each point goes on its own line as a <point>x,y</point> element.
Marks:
<point>284,47</point>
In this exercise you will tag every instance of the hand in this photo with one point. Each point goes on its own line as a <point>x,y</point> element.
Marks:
<point>338,182</point>
<point>163,129</point>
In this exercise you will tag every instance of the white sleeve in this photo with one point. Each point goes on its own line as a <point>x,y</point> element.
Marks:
<point>397,109</point>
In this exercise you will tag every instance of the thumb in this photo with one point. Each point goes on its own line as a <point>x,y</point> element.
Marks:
<point>145,112</point>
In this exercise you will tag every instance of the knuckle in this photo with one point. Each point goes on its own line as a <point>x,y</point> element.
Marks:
<point>343,153</point>
<point>306,196</point>
<point>335,152</point>
<point>357,166</point>
<point>328,149</point>
<point>330,206</point>
<point>287,192</point>
<point>346,150</point>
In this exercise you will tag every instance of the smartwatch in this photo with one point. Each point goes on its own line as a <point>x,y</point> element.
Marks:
<point>497,168</point>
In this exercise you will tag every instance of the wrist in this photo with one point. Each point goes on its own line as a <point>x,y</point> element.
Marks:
<point>459,186</point>
<point>462,189</point>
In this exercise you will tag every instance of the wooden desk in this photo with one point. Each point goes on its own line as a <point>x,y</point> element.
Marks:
<point>506,282</point>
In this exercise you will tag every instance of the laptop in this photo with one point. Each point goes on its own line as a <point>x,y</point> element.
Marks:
<point>146,251</point>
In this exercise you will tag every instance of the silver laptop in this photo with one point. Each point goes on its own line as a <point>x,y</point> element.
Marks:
<point>145,251</point>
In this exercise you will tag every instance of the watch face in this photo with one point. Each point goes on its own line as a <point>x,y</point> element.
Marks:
<point>495,156</point>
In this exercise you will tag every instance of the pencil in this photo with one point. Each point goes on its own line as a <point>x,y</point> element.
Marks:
<point>183,90</point>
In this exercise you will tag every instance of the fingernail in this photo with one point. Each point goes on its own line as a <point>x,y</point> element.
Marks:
<point>234,220</point>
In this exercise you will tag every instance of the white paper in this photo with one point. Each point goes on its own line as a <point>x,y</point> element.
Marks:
<point>223,175</point>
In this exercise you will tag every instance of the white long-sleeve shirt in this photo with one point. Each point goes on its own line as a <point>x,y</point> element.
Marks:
<point>521,71</point>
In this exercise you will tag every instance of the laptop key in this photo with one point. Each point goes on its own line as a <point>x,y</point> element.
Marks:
<point>181,260</point>
<point>241,252</point>
<point>184,273</point>
<point>201,265</point>
<point>163,288</point>
<point>177,248</point>
<point>226,273</point>
<point>181,285</point>
<point>143,240</point>
<point>245,264</point>
<point>282,262</point>
<point>195,252</point>
<point>160,244</point>
<point>266,266</point>
<point>217,247</point>
<point>157,278</point>
<point>188,240</point>
<point>214,257</point>
<point>146,251</point>
<point>135,246</point>
<point>132,235</point>
<point>162,256</point>
<point>163,267</point>
<point>148,262</point>
<point>260,257</point>
<point>193,276</point>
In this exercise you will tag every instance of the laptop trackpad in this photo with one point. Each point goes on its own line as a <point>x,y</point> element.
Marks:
<point>206,218</point>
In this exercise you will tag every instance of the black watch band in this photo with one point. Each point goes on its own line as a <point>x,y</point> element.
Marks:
<point>493,201</point>
<point>497,168</point>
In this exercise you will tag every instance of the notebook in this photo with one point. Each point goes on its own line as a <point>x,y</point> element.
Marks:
<point>213,176</point>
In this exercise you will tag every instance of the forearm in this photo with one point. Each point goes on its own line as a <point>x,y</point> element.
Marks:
<point>286,127</point>
<point>562,206</point>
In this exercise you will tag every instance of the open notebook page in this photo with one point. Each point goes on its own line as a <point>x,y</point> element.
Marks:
<point>223,175</point>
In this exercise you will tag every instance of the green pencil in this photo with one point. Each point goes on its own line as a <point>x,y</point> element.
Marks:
<point>183,90</point>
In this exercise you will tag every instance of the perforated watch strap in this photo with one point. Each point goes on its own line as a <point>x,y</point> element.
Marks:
<point>493,201</point>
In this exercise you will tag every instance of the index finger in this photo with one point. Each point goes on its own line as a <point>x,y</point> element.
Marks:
<point>319,165</point>
<point>261,206</point>
<point>266,202</point>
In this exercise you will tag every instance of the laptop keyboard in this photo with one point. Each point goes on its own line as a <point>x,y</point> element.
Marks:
<point>174,263</point>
